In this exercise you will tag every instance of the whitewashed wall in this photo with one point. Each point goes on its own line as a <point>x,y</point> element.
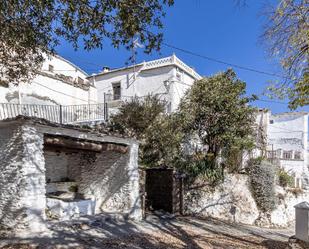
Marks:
<point>48,89</point>
<point>233,201</point>
<point>162,77</point>
<point>289,132</point>
<point>146,82</point>
<point>22,178</point>
<point>110,177</point>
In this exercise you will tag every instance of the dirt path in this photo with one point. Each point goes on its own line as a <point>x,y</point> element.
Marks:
<point>153,233</point>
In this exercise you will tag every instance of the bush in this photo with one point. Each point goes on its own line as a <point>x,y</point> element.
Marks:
<point>285,179</point>
<point>203,166</point>
<point>262,184</point>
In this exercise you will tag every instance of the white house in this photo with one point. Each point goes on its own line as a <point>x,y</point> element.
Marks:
<point>287,142</point>
<point>168,78</point>
<point>59,92</point>
<point>58,82</point>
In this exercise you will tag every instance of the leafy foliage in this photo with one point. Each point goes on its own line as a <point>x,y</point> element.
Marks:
<point>216,109</point>
<point>233,157</point>
<point>136,116</point>
<point>285,179</point>
<point>262,183</point>
<point>159,134</point>
<point>201,166</point>
<point>287,34</point>
<point>30,28</point>
<point>162,144</point>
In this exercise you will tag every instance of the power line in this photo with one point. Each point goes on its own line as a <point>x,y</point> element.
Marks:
<point>224,62</point>
<point>61,92</point>
<point>272,101</point>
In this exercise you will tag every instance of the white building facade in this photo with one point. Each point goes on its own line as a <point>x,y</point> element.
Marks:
<point>168,78</point>
<point>60,92</point>
<point>287,143</point>
<point>59,82</point>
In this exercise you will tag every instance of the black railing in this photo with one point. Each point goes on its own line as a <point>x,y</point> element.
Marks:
<point>64,114</point>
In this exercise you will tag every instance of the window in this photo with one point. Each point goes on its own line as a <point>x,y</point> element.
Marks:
<point>287,154</point>
<point>297,155</point>
<point>117,90</point>
<point>50,68</point>
<point>271,121</point>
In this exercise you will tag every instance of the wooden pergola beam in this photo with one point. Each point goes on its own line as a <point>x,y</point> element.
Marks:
<point>64,142</point>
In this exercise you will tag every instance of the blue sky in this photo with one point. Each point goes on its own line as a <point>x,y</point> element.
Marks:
<point>215,29</point>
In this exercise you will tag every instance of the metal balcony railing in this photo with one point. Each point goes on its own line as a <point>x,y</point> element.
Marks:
<point>63,114</point>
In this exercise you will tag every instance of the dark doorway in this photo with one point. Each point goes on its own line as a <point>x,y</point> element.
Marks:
<point>159,189</point>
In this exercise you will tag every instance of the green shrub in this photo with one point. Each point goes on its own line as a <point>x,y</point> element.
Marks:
<point>285,179</point>
<point>262,184</point>
<point>203,166</point>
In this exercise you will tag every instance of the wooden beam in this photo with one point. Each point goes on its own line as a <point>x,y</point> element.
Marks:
<point>75,144</point>
<point>69,143</point>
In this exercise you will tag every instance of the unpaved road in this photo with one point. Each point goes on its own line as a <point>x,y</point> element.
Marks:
<point>153,233</point>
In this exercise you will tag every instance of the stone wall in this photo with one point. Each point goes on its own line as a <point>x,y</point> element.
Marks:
<point>110,177</point>
<point>22,177</point>
<point>232,201</point>
<point>56,164</point>
<point>103,177</point>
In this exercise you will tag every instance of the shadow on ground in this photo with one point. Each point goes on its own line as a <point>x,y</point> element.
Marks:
<point>154,232</point>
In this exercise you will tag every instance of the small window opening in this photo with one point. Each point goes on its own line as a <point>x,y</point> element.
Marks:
<point>50,68</point>
<point>116,91</point>
<point>297,155</point>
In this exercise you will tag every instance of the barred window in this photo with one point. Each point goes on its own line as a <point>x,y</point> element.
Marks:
<point>287,154</point>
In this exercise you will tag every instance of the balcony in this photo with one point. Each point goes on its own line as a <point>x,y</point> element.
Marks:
<point>63,114</point>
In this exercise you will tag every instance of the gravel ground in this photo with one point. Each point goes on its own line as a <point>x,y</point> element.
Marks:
<point>154,232</point>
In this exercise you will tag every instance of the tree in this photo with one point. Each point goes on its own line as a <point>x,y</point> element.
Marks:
<point>162,144</point>
<point>160,135</point>
<point>287,35</point>
<point>30,28</point>
<point>217,110</point>
<point>134,117</point>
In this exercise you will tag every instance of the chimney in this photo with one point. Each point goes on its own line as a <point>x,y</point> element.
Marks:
<point>105,69</point>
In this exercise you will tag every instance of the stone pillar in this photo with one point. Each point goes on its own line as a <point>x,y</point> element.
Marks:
<point>34,191</point>
<point>22,178</point>
<point>302,221</point>
<point>135,198</point>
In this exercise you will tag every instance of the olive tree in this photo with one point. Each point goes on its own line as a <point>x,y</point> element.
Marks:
<point>159,134</point>
<point>287,37</point>
<point>30,28</point>
<point>217,110</point>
